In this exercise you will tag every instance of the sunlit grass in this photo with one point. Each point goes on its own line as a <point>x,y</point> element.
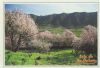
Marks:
<point>53,57</point>
<point>77,31</point>
<point>60,30</point>
<point>55,30</point>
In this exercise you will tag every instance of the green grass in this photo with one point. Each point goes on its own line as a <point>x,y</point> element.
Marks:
<point>60,30</point>
<point>55,30</point>
<point>77,31</point>
<point>55,57</point>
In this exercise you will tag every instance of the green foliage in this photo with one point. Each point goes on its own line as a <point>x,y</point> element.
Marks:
<point>52,29</point>
<point>56,30</point>
<point>60,30</point>
<point>54,57</point>
<point>77,31</point>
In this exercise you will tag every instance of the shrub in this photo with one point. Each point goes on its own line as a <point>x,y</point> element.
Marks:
<point>63,40</point>
<point>89,39</point>
<point>56,40</point>
<point>76,45</point>
<point>40,45</point>
<point>69,37</point>
<point>46,35</point>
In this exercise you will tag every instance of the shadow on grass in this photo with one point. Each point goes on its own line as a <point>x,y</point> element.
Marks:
<point>62,59</point>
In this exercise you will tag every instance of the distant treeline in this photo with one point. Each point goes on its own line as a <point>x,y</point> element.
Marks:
<point>71,20</point>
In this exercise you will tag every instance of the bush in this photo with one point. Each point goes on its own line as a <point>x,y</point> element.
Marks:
<point>58,42</point>
<point>69,37</point>
<point>46,35</point>
<point>40,45</point>
<point>76,45</point>
<point>63,40</point>
<point>89,39</point>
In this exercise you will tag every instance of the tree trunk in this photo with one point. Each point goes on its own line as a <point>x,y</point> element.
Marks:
<point>18,43</point>
<point>12,41</point>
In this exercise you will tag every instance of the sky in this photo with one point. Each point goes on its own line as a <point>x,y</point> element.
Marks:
<point>53,8</point>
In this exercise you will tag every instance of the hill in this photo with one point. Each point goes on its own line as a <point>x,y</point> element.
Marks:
<point>71,20</point>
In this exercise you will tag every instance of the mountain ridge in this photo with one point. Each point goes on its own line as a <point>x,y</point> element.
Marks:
<point>69,20</point>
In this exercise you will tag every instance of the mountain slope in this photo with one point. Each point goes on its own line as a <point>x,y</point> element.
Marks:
<point>67,20</point>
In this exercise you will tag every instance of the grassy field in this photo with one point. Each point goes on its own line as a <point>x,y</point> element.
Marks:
<point>77,31</point>
<point>52,29</point>
<point>55,57</point>
<point>60,30</point>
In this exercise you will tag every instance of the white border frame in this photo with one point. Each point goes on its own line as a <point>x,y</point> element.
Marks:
<point>51,1</point>
<point>2,50</point>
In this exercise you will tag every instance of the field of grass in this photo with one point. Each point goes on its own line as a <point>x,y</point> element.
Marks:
<point>77,31</point>
<point>55,30</point>
<point>55,57</point>
<point>60,30</point>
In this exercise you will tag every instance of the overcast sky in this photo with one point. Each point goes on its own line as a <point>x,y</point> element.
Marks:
<point>53,8</point>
